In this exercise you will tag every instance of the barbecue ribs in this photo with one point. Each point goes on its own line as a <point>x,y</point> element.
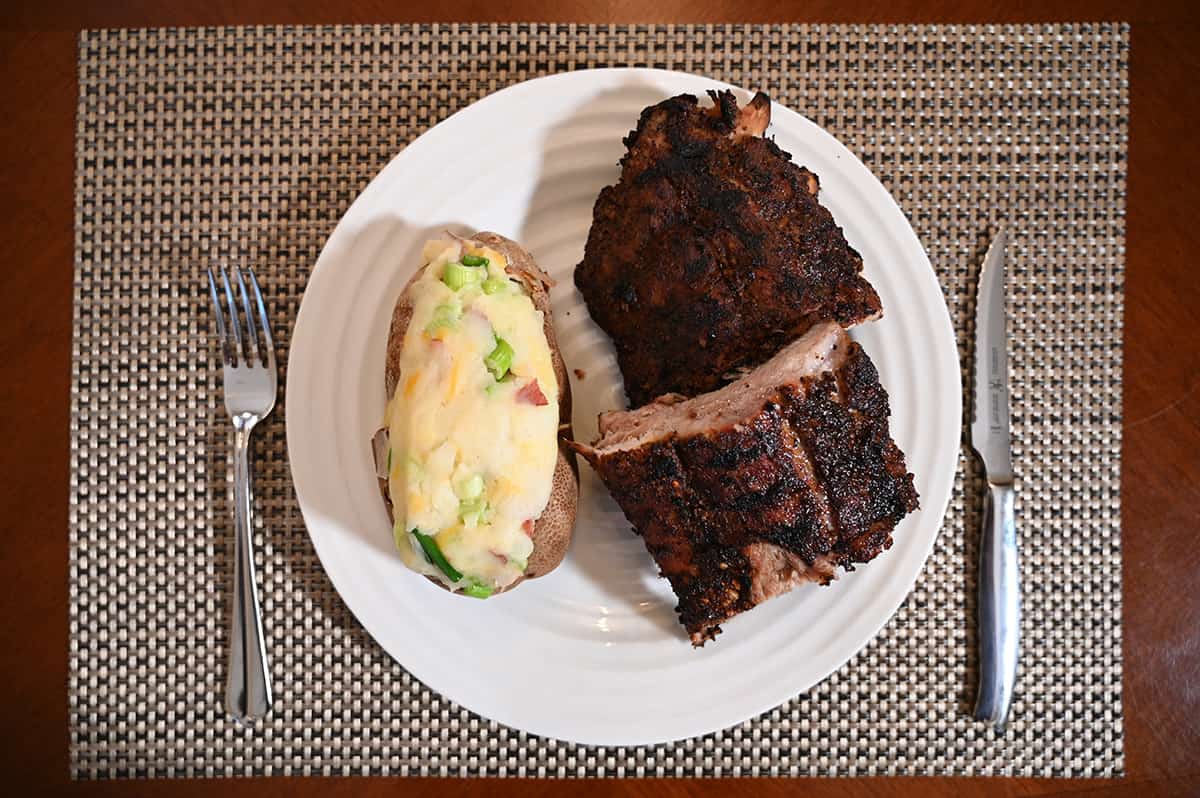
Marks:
<point>746,492</point>
<point>712,251</point>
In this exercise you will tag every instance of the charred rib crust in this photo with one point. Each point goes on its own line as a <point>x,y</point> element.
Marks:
<point>814,472</point>
<point>715,248</point>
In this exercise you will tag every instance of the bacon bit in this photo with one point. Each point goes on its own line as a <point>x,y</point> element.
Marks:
<point>581,374</point>
<point>527,527</point>
<point>531,393</point>
<point>503,558</point>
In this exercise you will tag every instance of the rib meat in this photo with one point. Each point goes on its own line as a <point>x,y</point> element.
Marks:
<point>712,251</point>
<point>778,479</point>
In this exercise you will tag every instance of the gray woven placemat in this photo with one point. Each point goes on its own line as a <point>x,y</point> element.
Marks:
<point>245,146</point>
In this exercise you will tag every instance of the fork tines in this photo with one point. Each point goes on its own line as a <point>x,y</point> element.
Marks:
<point>238,346</point>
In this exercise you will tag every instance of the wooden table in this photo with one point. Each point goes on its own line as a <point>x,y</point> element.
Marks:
<point>1161,446</point>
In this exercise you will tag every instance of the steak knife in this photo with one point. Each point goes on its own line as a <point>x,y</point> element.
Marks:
<point>999,617</point>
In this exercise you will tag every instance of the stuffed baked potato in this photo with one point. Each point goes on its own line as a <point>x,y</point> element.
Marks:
<point>481,489</point>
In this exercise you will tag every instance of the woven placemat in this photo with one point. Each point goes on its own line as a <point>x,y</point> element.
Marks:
<point>245,146</point>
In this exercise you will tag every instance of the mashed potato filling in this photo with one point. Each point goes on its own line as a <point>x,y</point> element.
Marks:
<point>473,422</point>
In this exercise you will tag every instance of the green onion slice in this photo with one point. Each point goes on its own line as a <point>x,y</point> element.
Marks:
<point>434,554</point>
<point>458,275</point>
<point>494,285</point>
<point>500,359</point>
<point>478,590</point>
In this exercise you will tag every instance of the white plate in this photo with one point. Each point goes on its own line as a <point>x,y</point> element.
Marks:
<point>592,653</point>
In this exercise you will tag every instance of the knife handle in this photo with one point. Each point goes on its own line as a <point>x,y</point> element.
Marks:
<point>999,608</point>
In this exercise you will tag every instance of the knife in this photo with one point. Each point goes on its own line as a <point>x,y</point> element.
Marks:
<point>999,591</point>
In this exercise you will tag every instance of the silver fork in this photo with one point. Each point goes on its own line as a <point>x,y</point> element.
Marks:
<point>249,396</point>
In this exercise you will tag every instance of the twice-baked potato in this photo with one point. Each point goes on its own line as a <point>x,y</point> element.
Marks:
<point>481,489</point>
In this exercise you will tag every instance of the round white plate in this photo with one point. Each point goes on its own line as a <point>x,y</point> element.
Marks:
<point>591,653</point>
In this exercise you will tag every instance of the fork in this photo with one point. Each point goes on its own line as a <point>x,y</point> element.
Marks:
<point>249,397</point>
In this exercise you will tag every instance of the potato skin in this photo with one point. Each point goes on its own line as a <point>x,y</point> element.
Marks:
<point>552,530</point>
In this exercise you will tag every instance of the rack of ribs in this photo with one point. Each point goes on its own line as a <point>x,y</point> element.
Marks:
<point>712,252</point>
<point>773,481</point>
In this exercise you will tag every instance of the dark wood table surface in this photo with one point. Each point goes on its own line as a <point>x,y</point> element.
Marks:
<point>1161,441</point>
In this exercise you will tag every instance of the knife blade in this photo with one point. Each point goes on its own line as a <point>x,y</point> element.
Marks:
<point>990,425</point>
<point>999,612</point>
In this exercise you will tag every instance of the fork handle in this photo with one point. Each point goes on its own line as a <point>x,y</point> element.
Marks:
<point>999,608</point>
<point>248,691</point>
